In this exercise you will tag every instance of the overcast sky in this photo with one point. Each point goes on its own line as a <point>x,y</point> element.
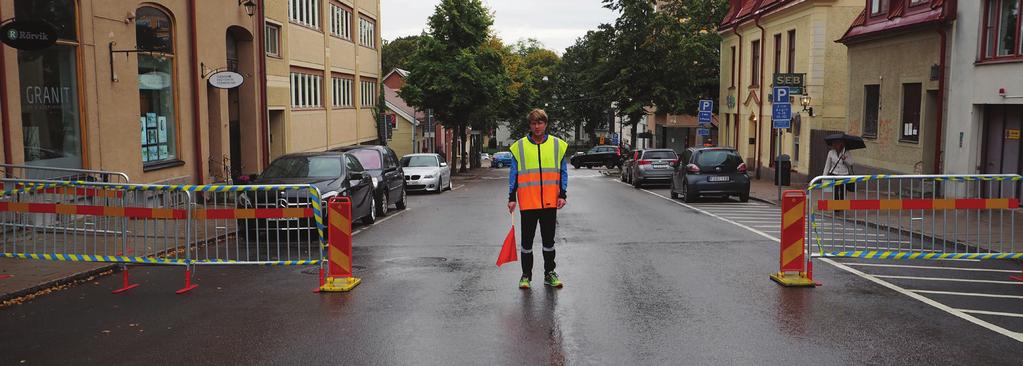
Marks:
<point>555,23</point>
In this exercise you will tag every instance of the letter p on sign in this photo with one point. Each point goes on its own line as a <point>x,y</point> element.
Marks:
<point>781,94</point>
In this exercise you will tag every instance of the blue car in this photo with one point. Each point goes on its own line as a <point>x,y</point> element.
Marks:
<point>501,160</point>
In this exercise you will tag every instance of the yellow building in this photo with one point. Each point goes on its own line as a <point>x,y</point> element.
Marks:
<point>761,38</point>
<point>323,71</point>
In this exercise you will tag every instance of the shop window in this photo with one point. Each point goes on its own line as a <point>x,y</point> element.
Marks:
<point>50,114</point>
<point>153,33</point>
<point>911,112</point>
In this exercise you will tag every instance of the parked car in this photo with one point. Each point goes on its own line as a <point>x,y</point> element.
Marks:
<point>652,165</point>
<point>710,171</point>
<point>602,155</point>
<point>333,173</point>
<point>484,156</point>
<point>626,175</point>
<point>426,172</point>
<point>501,160</point>
<point>388,177</point>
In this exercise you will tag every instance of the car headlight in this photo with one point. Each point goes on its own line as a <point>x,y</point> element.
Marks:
<point>428,176</point>
<point>375,182</point>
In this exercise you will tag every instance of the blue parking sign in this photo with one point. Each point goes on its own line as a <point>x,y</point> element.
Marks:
<point>705,117</point>
<point>706,106</point>
<point>781,110</point>
<point>703,132</point>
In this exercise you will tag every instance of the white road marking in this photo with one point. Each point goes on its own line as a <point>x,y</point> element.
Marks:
<point>932,267</point>
<point>455,188</point>
<point>1016,283</point>
<point>956,312</point>
<point>380,220</point>
<point>982,312</point>
<point>967,294</point>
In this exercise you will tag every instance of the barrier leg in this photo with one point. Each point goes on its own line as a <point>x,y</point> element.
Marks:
<point>322,279</point>
<point>339,251</point>
<point>189,286</point>
<point>1020,277</point>
<point>125,283</point>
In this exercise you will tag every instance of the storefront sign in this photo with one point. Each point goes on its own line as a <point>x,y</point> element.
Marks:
<point>1012,134</point>
<point>28,35</point>
<point>226,80</point>
<point>793,81</point>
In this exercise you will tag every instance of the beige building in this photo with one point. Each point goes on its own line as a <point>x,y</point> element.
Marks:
<point>761,38</point>
<point>127,87</point>
<point>323,71</point>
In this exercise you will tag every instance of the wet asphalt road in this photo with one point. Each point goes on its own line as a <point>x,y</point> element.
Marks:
<point>647,282</point>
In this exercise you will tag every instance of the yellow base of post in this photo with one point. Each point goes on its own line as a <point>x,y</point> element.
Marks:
<point>340,284</point>
<point>792,280</point>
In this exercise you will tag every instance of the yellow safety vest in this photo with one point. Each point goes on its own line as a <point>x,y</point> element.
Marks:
<point>539,172</point>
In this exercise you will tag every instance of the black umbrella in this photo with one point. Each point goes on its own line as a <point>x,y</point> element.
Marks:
<point>851,142</point>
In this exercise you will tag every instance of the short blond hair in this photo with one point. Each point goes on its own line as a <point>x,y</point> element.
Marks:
<point>537,114</point>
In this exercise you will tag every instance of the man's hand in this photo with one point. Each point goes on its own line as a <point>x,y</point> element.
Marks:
<point>561,203</point>
<point>511,207</point>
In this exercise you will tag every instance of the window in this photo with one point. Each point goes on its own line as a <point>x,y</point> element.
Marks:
<point>306,90</point>
<point>340,21</point>
<point>273,40</point>
<point>368,158</point>
<point>368,93</point>
<point>911,112</point>
<point>304,12</point>
<point>777,53</point>
<point>367,32</point>
<point>1002,29</point>
<point>878,6</point>
<point>153,33</point>
<point>732,66</point>
<point>755,64</point>
<point>50,119</point>
<point>871,107</point>
<point>353,164</point>
<point>341,87</point>
<point>792,51</point>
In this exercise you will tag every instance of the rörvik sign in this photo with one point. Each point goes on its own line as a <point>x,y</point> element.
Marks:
<point>28,35</point>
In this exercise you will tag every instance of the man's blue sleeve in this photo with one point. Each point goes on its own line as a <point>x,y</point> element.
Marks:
<point>513,179</point>
<point>564,178</point>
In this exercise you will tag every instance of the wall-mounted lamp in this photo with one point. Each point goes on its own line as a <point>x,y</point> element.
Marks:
<point>805,102</point>
<point>250,6</point>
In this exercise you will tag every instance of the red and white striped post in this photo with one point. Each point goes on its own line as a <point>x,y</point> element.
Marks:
<point>339,249</point>
<point>793,270</point>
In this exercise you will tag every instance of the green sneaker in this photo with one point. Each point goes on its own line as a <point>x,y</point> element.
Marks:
<point>524,283</point>
<point>551,279</point>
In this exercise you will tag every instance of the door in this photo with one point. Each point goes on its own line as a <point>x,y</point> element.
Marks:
<point>276,128</point>
<point>1002,147</point>
<point>393,175</point>
<point>360,192</point>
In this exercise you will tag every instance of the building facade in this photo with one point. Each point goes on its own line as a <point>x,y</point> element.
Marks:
<point>125,88</point>
<point>761,38</point>
<point>323,73</point>
<point>897,54</point>
<point>986,91</point>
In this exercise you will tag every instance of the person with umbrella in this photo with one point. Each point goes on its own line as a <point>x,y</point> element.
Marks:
<point>840,161</point>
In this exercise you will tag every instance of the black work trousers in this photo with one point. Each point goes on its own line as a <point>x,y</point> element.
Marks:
<point>548,219</point>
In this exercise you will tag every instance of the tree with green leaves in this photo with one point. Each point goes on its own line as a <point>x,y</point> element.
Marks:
<point>453,73</point>
<point>532,70</point>
<point>581,96</point>
<point>397,54</point>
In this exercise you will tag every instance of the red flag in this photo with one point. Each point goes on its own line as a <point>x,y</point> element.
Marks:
<point>508,250</point>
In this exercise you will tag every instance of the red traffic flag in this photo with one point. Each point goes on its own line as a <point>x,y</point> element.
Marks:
<point>508,250</point>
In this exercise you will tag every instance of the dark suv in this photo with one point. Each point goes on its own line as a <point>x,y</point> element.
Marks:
<point>602,155</point>
<point>382,164</point>
<point>708,172</point>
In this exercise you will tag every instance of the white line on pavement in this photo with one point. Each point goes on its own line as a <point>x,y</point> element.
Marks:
<point>958,313</point>
<point>967,294</point>
<point>949,279</point>
<point>982,312</point>
<point>932,267</point>
<point>455,188</point>
<point>391,216</point>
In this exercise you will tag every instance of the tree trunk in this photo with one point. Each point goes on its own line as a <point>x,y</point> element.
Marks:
<point>632,140</point>
<point>461,148</point>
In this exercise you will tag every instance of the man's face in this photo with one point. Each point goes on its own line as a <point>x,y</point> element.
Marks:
<point>537,127</point>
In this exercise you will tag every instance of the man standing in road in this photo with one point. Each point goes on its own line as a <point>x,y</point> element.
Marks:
<point>538,181</point>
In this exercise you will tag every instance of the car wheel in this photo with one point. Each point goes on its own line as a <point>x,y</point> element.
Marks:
<point>744,197</point>
<point>372,216</point>
<point>674,195</point>
<point>382,206</point>
<point>610,164</point>
<point>402,203</point>
<point>687,196</point>
<point>589,167</point>
<point>576,166</point>
<point>637,183</point>
<point>449,184</point>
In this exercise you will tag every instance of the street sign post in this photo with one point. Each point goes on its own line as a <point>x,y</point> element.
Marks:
<point>615,139</point>
<point>781,118</point>
<point>706,111</point>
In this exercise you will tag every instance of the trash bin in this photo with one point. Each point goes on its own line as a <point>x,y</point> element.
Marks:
<point>783,171</point>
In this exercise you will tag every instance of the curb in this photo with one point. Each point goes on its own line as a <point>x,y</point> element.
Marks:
<point>763,200</point>
<point>73,278</point>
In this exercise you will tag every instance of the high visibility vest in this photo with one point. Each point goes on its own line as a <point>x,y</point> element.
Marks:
<point>539,172</point>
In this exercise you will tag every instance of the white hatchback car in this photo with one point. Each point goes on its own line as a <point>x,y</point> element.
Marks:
<point>426,172</point>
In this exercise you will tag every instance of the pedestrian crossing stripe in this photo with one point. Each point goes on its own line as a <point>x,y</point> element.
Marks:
<point>876,254</point>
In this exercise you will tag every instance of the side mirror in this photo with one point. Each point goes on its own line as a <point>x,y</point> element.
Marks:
<point>356,175</point>
<point>443,164</point>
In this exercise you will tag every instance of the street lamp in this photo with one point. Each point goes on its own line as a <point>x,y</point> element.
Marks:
<point>805,102</point>
<point>250,6</point>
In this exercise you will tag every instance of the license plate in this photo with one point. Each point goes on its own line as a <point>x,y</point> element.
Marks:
<point>717,179</point>
<point>660,166</point>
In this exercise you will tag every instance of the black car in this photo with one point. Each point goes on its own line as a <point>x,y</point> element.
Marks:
<point>602,155</point>
<point>388,176</point>
<point>333,173</point>
<point>712,171</point>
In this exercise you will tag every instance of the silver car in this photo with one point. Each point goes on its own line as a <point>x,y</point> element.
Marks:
<point>426,172</point>
<point>653,165</point>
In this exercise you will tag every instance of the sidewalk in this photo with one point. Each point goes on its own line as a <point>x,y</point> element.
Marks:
<point>29,276</point>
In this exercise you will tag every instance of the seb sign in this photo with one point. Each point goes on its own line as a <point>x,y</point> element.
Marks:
<point>793,81</point>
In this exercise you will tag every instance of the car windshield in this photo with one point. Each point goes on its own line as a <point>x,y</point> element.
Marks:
<point>659,155</point>
<point>716,158</point>
<point>370,159</point>
<point>502,155</point>
<point>304,167</point>
<point>419,161</point>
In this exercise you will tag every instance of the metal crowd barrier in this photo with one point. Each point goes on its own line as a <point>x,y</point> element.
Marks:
<point>915,217</point>
<point>11,171</point>
<point>184,225</point>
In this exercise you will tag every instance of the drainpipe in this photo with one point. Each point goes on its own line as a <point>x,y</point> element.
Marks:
<point>761,83</point>
<point>261,75</point>
<point>193,55</point>
<point>5,118</point>
<point>941,99</point>
<point>738,85</point>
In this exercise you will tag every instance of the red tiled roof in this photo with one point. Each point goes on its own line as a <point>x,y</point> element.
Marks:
<point>900,16</point>
<point>740,11</point>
